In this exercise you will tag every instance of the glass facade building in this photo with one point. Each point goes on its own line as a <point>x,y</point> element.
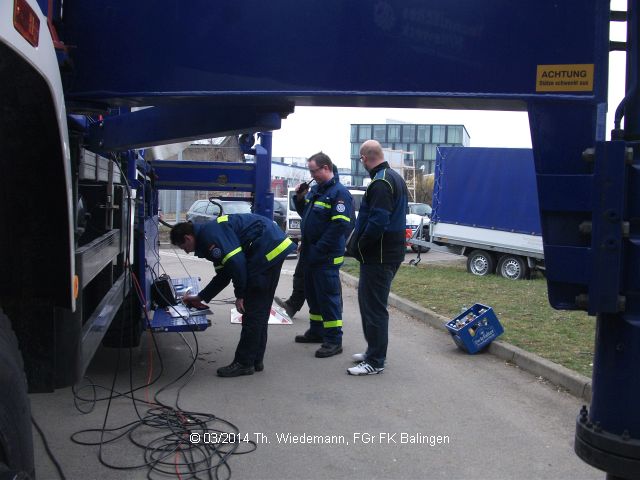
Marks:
<point>420,139</point>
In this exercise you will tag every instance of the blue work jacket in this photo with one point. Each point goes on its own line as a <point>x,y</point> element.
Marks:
<point>239,245</point>
<point>326,213</point>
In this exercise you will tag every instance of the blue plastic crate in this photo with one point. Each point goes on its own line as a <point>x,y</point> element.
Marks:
<point>482,328</point>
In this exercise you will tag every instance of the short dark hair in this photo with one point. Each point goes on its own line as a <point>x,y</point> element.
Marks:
<point>178,232</point>
<point>321,160</point>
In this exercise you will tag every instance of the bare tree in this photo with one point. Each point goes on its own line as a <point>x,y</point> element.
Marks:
<point>424,188</point>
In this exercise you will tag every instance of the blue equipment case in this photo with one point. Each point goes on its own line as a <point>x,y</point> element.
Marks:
<point>479,332</point>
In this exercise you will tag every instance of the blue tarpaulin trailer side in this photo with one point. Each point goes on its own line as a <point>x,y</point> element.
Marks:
<point>485,206</point>
<point>491,188</point>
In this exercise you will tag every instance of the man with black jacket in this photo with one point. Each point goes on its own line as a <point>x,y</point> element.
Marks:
<point>378,243</point>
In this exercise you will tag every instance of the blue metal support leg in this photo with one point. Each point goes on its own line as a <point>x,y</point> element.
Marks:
<point>608,436</point>
<point>263,197</point>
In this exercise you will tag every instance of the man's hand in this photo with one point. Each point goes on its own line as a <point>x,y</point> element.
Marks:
<point>193,301</point>
<point>240,305</point>
<point>301,190</point>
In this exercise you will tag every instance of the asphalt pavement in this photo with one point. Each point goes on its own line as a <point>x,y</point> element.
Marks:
<point>434,413</point>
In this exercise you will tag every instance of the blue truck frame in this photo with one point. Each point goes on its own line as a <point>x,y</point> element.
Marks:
<point>548,58</point>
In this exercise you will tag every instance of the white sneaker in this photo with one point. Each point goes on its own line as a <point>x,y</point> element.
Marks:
<point>363,368</point>
<point>359,357</point>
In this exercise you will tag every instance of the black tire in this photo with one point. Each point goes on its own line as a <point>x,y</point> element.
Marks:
<point>16,442</point>
<point>420,249</point>
<point>480,263</point>
<point>513,267</point>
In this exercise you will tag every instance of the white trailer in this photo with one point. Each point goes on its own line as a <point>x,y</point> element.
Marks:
<point>485,207</point>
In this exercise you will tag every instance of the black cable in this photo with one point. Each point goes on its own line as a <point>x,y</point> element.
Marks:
<point>151,247</point>
<point>48,450</point>
<point>165,223</point>
<point>142,304</point>
<point>127,394</point>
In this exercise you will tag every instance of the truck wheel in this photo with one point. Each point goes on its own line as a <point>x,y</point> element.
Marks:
<point>420,249</point>
<point>513,267</point>
<point>16,443</point>
<point>480,263</point>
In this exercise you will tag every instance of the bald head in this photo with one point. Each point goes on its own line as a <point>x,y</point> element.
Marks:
<point>371,154</point>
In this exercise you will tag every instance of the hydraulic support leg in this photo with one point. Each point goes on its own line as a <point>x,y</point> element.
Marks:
<point>608,435</point>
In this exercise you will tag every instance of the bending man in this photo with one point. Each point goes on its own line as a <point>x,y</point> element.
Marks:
<point>248,249</point>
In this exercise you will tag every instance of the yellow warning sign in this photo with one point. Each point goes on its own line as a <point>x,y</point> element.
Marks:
<point>565,78</point>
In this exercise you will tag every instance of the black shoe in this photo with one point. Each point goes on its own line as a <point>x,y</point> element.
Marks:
<point>287,306</point>
<point>279,301</point>
<point>308,337</point>
<point>328,350</point>
<point>258,367</point>
<point>289,309</point>
<point>235,370</point>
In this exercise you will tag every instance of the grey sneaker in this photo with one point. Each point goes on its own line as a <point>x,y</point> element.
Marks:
<point>359,357</point>
<point>363,368</point>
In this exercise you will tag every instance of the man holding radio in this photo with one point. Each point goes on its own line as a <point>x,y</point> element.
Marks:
<point>326,210</point>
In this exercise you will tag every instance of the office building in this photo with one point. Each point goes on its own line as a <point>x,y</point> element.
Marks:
<point>419,141</point>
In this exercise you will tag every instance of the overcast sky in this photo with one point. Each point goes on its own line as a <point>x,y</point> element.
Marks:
<point>311,129</point>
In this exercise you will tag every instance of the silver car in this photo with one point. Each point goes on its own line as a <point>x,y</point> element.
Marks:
<point>204,211</point>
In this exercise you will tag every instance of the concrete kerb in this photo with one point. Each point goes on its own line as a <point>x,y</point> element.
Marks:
<point>576,384</point>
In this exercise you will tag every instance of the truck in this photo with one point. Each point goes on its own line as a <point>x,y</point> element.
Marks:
<point>88,88</point>
<point>485,207</point>
<point>79,202</point>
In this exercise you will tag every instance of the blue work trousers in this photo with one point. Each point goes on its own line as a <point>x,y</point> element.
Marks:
<point>373,295</point>
<point>324,296</point>
<point>257,307</point>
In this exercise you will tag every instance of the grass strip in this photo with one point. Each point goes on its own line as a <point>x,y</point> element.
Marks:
<point>564,337</point>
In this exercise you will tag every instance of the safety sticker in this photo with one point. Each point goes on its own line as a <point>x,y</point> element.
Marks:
<point>565,78</point>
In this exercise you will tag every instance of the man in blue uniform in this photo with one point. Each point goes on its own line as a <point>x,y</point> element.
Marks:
<point>378,243</point>
<point>297,298</point>
<point>326,221</point>
<point>249,250</point>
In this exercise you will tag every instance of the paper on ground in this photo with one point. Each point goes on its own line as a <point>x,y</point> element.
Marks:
<point>277,317</point>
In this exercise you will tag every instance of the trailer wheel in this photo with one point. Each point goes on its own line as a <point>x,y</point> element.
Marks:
<point>481,263</point>
<point>513,267</point>
<point>16,442</point>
